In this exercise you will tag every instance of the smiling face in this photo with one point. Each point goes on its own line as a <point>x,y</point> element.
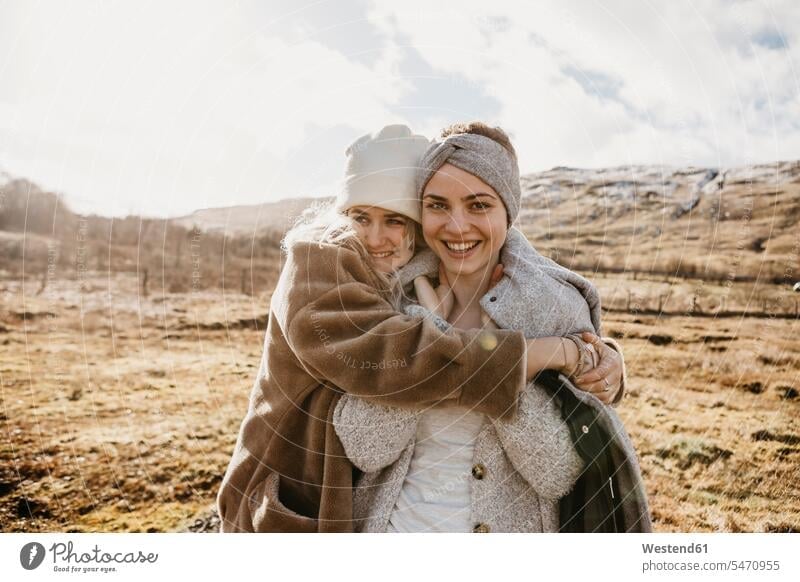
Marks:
<point>387,236</point>
<point>464,221</point>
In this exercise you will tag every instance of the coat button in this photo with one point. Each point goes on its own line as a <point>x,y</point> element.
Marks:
<point>492,299</point>
<point>480,528</point>
<point>478,471</point>
<point>585,429</point>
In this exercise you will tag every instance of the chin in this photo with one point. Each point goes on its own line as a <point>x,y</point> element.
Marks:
<point>466,268</point>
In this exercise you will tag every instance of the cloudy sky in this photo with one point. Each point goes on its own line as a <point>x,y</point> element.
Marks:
<point>160,108</point>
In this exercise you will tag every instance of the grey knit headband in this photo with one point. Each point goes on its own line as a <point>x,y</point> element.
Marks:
<point>480,156</point>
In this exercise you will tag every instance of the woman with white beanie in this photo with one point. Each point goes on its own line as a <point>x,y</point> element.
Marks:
<point>333,328</point>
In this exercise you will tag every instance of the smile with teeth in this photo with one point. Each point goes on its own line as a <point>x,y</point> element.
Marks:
<point>461,247</point>
<point>382,255</point>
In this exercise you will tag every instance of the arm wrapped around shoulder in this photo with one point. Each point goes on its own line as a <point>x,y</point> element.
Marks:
<point>346,333</point>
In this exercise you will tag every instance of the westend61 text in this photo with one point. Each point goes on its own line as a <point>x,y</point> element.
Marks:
<point>670,549</point>
<point>64,553</point>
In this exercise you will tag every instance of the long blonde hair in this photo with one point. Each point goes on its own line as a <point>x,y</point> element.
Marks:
<point>322,223</point>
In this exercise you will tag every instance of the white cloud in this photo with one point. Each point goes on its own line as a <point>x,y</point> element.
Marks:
<point>167,107</point>
<point>694,85</point>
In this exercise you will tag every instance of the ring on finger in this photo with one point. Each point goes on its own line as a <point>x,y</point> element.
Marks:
<point>608,386</point>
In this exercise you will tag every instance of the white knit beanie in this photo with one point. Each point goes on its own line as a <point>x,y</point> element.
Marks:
<point>381,171</point>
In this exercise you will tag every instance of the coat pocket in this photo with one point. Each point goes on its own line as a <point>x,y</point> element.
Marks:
<point>273,516</point>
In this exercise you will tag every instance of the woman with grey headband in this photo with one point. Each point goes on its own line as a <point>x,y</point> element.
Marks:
<point>564,463</point>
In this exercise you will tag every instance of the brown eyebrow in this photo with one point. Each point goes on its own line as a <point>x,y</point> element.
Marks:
<point>479,194</point>
<point>468,197</point>
<point>362,212</point>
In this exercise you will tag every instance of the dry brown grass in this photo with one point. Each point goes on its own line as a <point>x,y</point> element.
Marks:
<point>124,419</point>
<point>717,431</point>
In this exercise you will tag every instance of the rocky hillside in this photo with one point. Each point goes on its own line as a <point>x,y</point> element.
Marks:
<point>249,219</point>
<point>738,223</point>
<point>711,223</point>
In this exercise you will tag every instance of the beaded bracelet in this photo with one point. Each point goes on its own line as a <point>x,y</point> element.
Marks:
<point>586,355</point>
<point>577,365</point>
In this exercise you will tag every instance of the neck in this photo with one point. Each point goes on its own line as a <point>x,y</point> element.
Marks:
<point>468,289</point>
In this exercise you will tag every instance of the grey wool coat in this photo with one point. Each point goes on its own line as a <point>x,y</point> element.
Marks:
<point>528,461</point>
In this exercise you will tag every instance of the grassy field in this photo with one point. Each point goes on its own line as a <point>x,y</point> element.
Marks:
<point>119,412</point>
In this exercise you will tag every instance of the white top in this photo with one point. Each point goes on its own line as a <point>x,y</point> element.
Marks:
<point>436,493</point>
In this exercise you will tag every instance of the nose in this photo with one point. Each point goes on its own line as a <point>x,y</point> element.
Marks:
<point>457,222</point>
<point>375,235</point>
